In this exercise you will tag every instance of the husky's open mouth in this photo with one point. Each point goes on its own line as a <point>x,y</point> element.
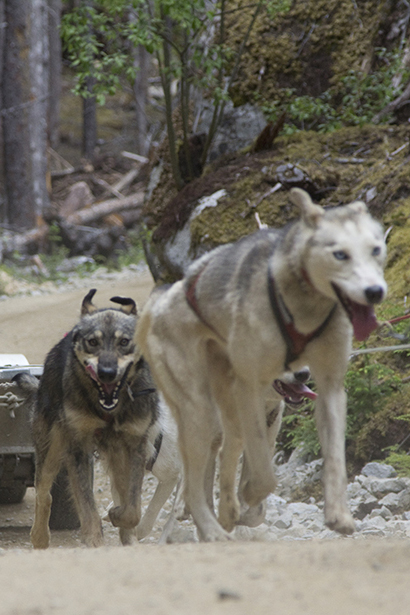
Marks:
<point>293,393</point>
<point>362,317</point>
<point>108,392</point>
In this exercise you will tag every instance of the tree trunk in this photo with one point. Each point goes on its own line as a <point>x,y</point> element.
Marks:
<point>54,18</point>
<point>89,112</point>
<point>89,122</point>
<point>140,94</point>
<point>38,111</point>
<point>2,37</point>
<point>24,111</point>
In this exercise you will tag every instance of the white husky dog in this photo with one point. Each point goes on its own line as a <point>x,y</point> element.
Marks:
<point>243,315</point>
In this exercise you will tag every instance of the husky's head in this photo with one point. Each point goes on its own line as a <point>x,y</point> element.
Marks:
<point>103,343</point>
<point>343,258</point>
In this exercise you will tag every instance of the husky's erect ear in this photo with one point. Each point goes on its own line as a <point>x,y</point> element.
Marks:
<point>358,207</point>
<point>128,305</point>
<point>311,213</point>
<point>87,306</point>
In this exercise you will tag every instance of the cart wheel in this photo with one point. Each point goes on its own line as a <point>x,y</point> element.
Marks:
<point>14,494</point>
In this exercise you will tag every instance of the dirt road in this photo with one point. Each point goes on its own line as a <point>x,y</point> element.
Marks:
<point>347,576</point>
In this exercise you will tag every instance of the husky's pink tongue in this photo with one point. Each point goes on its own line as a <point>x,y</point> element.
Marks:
<point>363,319</point>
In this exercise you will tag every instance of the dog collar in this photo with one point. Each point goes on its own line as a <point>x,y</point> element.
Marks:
<point>295,341</point>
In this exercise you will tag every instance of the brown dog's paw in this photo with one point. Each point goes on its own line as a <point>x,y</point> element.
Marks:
<point>126,517</point>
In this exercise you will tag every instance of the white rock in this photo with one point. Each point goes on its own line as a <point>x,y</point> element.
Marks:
<point>380,470</point>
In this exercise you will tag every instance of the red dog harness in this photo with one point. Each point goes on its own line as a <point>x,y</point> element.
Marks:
<point>295,341</point>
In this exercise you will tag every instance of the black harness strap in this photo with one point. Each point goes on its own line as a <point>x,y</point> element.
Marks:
<point>295,341</point>
<point>157,446</point>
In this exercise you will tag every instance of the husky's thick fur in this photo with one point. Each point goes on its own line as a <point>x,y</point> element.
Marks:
<point>96,394</point>
<point>244,314</point>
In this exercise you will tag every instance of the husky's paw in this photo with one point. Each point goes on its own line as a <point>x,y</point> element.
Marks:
<point>126,517</point>
<point>209,530</point>
<point>256,491</point>
<point>229,513</point>
<point>342,523</point>
<point>40,538</point>
<point>93,540</point>
<point>253,516</point>
<point>214,535</point>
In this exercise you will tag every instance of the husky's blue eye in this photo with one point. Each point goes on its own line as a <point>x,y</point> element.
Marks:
<point>376,251</point>
<point>340,255</point>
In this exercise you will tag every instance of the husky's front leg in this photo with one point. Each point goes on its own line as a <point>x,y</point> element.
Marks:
<point>331,424</point>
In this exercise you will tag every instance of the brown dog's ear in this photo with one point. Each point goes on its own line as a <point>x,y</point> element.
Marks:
<point>128,305</point>
<point>87,306</point>
<point>311,213</point>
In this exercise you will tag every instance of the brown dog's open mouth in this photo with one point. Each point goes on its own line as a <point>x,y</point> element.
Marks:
<point>293,393</point>
<point>362,317</point>
<point>108,392</point>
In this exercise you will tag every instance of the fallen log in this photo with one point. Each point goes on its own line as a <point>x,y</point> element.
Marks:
<point>100,210</point>
<point>34,240</point>
<point>30,241</point>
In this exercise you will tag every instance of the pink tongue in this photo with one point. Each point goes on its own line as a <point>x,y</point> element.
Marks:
<point>303,390</point>
<point>364,320</point>
<point>108,388</point>
<point>92,373</point>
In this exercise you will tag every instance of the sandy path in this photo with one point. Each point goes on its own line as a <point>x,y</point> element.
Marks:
<point>355,577</point>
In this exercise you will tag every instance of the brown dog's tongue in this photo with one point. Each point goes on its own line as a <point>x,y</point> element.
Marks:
<point>363,319</point>
<point>108,387</point>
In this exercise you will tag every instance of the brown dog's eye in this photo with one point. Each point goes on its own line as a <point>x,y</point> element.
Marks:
<point>93,342</point>
<point>124,342</point>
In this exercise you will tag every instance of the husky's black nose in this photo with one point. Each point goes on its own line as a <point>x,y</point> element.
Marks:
<point>374,294</point>
<point>106,373</point>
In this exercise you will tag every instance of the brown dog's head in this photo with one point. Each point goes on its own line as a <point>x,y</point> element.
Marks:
<point>103,342</point>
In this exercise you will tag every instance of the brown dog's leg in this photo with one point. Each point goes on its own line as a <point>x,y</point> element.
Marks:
<point>79,472</point>
<point>126,463</point>
<point>250,404</point>
<point>48,463</point>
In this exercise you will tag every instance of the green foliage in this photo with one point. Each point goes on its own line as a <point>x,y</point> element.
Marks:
<point>368,386</point>
<point>186,38</point>
<point>355,101</point>
<point>134,254</point>
<point>399,460</point>
<point>301,430</point>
